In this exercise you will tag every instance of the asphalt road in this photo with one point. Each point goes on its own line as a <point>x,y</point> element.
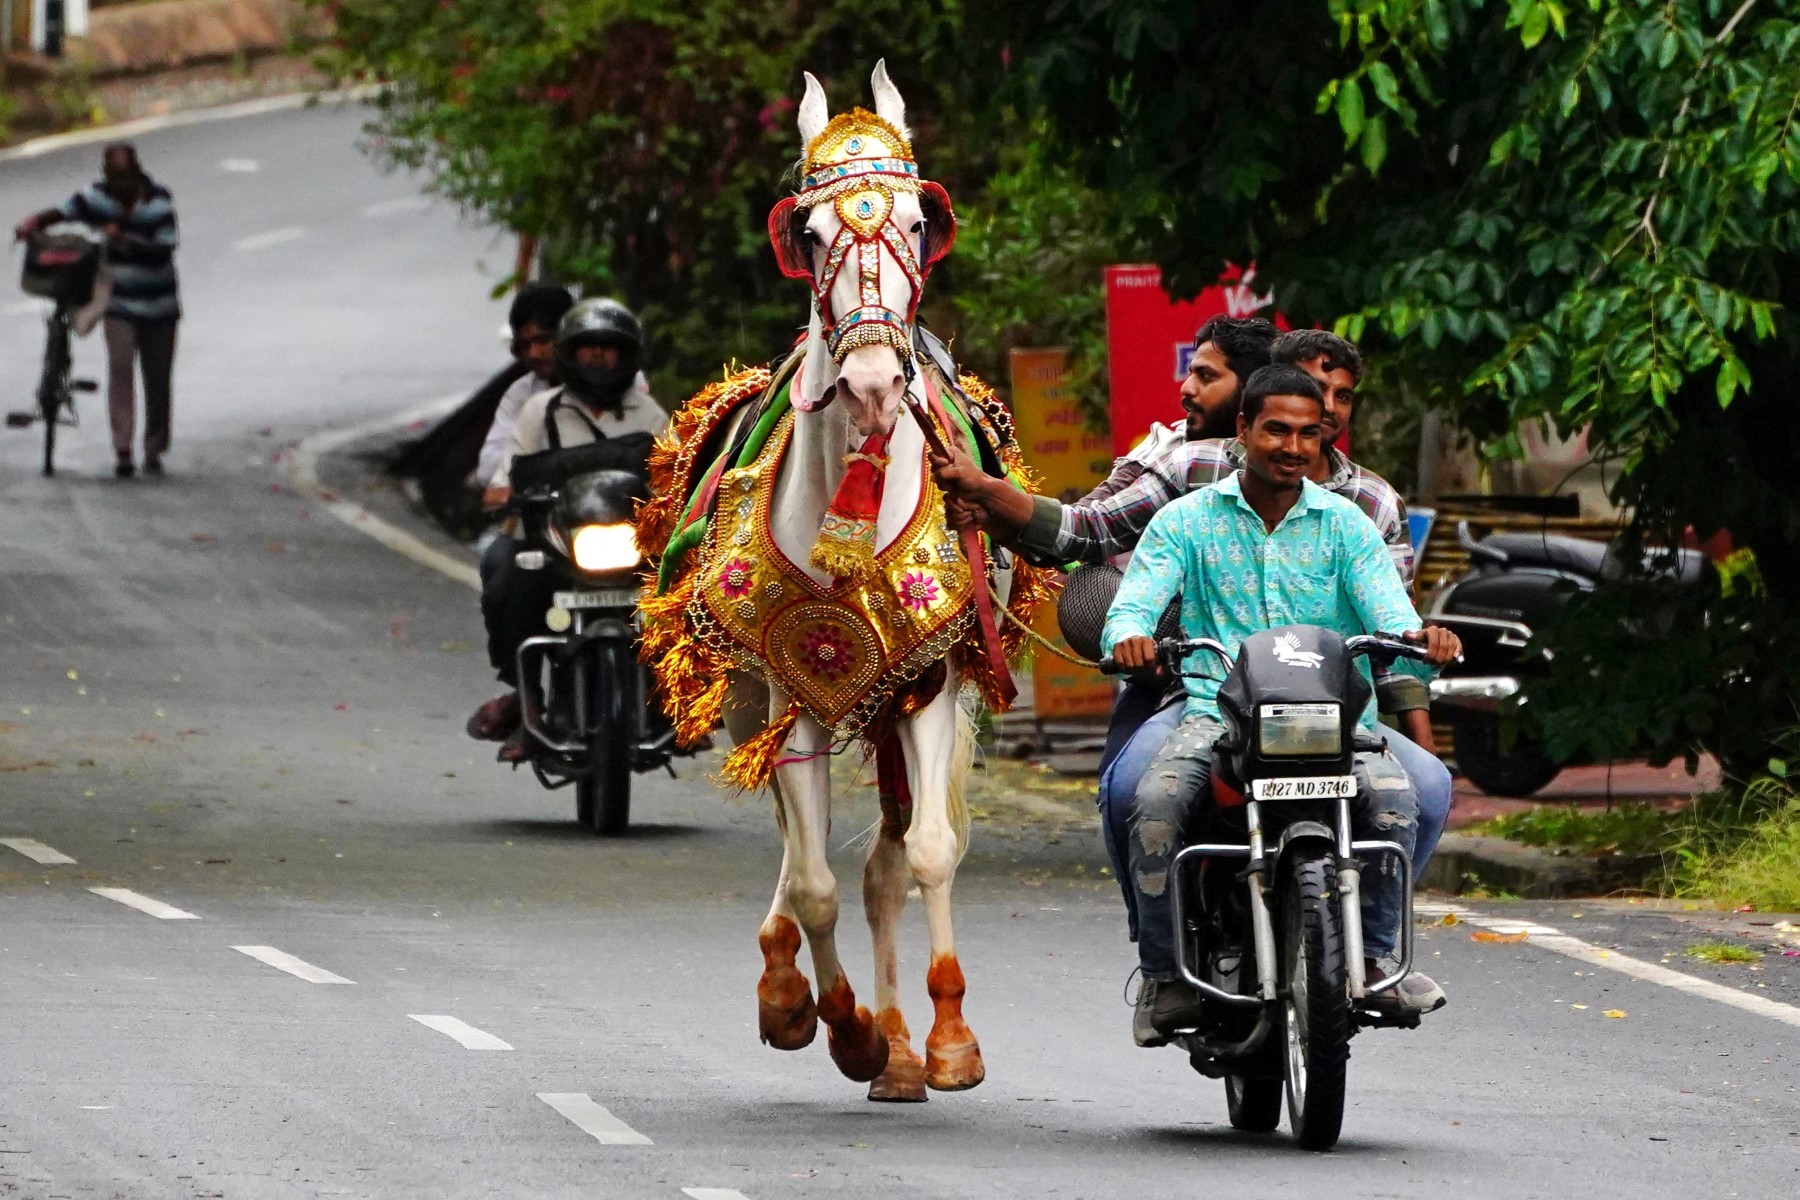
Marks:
<point>217,698</point>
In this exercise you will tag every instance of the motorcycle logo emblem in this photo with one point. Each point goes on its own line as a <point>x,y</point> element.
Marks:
<point>1287,649</point>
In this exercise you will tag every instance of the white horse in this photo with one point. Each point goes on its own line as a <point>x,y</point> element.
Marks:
<point>864,231</point>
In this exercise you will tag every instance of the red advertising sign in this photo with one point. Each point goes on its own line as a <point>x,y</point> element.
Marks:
<point>1149,337</point>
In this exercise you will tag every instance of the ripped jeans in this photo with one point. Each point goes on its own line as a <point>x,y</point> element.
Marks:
<point>1167,814</point>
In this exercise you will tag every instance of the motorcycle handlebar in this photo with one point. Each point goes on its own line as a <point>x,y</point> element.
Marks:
<point>1170,651</point>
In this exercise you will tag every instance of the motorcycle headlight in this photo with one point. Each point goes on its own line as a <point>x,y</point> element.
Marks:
<point>606,548</point>
<point>1300,730</point>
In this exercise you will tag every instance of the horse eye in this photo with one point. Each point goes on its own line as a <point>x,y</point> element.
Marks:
<point>919,228</point>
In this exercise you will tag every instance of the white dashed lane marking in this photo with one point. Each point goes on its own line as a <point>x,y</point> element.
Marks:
<point>156,908</point>
<point>714,1194</point>
<point>594,1120</point>
<point>388,208</point>
<point>36,851</point>
<point>1551,938</point>
<point>240,166</point>
<point>470,1037</point>
<point>281,960</point>
<point>275,237</point>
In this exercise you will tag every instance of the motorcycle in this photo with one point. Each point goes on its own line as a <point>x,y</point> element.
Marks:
<point>583,696</point>
<point>1516,584</point>
<point>1268,918</point>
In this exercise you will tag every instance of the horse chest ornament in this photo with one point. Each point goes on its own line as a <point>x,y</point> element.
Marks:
<point>840,650</point>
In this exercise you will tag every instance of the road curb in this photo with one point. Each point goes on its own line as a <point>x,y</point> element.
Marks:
<point>1466,862</point>
<point>303,472</point>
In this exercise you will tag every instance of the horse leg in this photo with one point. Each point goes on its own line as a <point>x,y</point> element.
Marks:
<point>937,756</point>
<point>857,1046</point>
<point>885,880</point>
<point>785,1014</point>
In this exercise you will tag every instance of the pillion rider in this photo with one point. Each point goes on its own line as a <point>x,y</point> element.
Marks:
<point>603,395</point>
<point>1262,548</point>
<point>1110,519</point>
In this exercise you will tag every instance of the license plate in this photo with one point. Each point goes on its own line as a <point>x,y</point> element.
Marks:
<point>1316,787</point>
<point>598,598</point>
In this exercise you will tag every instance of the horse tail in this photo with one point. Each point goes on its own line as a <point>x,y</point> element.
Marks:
<point>962,760</point>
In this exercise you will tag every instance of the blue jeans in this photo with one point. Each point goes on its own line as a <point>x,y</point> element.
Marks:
<point>1431,780</point>
<point>1167,813</point>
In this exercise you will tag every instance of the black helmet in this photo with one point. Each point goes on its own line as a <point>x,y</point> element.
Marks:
<point>601,322</point>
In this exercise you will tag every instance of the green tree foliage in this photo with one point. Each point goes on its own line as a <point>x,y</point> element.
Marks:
<point>646,140</point>
<point>1580,211</point>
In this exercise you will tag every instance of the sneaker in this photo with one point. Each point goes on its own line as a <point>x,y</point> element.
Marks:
<point>495,720</point>
<point>1417,992</point>
<point>124,468</point>
<point>153,464</point>
<point>1163,1007</point>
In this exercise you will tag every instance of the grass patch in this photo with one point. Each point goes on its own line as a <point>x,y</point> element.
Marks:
<point>1749,853</point>
<point>1722,952</point>
<point>1634,830</point>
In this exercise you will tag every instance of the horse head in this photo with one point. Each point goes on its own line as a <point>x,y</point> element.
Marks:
<point>863,231</point>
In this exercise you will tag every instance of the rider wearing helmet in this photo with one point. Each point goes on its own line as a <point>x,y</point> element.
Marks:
<point>599,354</point>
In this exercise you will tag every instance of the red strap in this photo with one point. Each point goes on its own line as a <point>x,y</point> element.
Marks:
<point>976,552</point>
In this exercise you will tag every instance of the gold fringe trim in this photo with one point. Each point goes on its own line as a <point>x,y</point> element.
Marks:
<point>672,462</point>
<point>690,677</point>
<point>843,558</point>
<point>750,766</point>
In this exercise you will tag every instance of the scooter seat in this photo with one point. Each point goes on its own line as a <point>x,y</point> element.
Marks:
<point>1596,560</point>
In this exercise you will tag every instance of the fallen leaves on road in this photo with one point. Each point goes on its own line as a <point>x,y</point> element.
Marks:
<point>143,737</point>
<point>204,537</point>
<point>1450,919</point>
<point>276,548</point>
<point>1488,935</point>
<point>1618,1014</point>
<point>341,706</point>
<point>1577,1006</point>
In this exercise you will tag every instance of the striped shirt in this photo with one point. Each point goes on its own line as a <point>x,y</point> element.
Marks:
<point>140,261</point>
<point>1100,526</point>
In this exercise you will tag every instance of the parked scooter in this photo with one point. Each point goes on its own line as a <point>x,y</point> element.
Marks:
<point>1516,584</point>
<point>583,696</point>
<point>1268,917</point>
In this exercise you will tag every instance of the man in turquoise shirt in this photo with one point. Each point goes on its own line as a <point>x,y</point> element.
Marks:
<point>1260,549</point>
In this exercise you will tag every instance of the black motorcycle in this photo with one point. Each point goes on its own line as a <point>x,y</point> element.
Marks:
<point>1268,915</point>
<point>1516,584</point>
<point>583,696</point>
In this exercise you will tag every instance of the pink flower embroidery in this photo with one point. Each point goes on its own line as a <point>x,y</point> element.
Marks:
<point>735,579</point>
<point>826,652</point>
<point>918,590</point>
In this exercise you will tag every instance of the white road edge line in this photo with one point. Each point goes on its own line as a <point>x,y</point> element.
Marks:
<point>126,130</point>
<point>594,1120</point>
<point>714,1194</point>
<point>303,471</point>
<point>470,1037</point>
<point>275,237</point>
<point>1551,938</point>
<point>156,908</point>
<point>36,851</point>
<point>403,204</point>
<point>283,961</point>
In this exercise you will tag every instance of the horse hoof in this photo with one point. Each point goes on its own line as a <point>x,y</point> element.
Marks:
<point>858,1048</point>
<point>903,1080</point>
<point>785,1013</point>
<point>955,1068</point>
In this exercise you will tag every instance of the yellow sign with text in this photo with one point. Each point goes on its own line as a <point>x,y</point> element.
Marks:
<point>1071,459</point>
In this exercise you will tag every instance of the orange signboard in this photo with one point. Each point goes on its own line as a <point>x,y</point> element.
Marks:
<point>1071,459</point>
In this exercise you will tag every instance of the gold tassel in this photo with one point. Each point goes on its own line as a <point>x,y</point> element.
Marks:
<point>750,766</point>
<point>843,559</point>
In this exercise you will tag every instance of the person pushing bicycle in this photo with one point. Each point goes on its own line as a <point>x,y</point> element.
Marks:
<point>137,215</point>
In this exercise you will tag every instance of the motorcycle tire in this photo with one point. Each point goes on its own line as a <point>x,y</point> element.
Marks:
<point>1254,1105</point>
<point>603,794</point>
<point>1318,1021</point>
<point>1517,771</point>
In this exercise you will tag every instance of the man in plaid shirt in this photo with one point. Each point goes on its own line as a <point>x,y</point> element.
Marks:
<point>1109,520</point>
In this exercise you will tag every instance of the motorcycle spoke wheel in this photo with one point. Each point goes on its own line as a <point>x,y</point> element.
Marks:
<point>603,795</point>
<point>1317,1018</point>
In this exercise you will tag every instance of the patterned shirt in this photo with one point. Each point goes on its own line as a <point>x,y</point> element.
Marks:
<point>1323,565</point>
<point>141,260</point>
<point>1100,526</point>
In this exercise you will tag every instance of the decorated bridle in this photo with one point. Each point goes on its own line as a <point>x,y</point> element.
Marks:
<point>859,163</point>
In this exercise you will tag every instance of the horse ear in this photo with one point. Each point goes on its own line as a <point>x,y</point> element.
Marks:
<point>940,222</point>
<point>815,110</point>
<point>787,233</point>
<point>888,104</point>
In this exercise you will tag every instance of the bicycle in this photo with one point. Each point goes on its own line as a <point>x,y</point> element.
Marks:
<point>61,265</point>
